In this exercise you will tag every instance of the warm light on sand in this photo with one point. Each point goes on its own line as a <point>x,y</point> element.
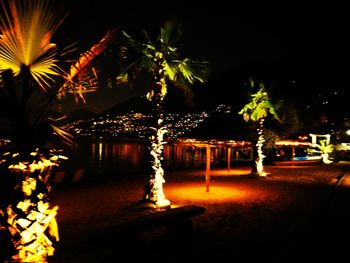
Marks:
<point>236,171</point>
<point>219,193</point>
<point>345,182</point>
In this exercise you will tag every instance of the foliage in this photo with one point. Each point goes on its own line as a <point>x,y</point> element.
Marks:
<point>32,78</point>
<point>27,223</point>
<point>256,110</point>
<point>34,74</point>
<point>162,54</point>
<point>325,148</point>
<point>260,105</point>
<point>162,61</point>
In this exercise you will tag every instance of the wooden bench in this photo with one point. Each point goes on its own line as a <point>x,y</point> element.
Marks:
<point>176,219</point>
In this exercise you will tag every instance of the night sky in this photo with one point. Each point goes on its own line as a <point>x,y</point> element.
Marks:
<point>302,49</point>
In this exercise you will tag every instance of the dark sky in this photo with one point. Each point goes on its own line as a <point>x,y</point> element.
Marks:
<point>305,44</point>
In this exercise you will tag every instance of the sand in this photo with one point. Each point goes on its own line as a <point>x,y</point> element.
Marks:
<point>247,219</point>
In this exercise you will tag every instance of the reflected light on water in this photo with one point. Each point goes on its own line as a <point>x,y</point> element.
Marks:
<point>100,150</point>
<point>100,157</point>
<point>109,156</point>
<point>184,156</point>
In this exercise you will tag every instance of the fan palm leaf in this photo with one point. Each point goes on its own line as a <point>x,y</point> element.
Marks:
<point>26,31</point>
<point>28,58</point>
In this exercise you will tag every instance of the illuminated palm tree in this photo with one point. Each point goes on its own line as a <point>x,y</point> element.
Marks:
<point>256,110</point>
<point>31,79</point>
<point>162,60</point>
<point>325,149</point>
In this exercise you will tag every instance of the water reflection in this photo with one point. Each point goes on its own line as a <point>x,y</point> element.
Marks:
<point>113,157</point>
<point>183,156</point>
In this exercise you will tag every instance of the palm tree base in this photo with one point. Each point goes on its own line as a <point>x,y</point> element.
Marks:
<point>263,174</point>
<point>150,204</point>
<point>258,175</point>
<point>164,203</point>
<point>144,204</point>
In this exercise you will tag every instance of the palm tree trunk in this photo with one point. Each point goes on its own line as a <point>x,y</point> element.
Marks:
<point>21,115</point>
<point>154,187</point>
<point>259,145</point>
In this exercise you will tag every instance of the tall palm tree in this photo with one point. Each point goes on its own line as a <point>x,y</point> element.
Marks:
<point>31,79</point>
<point>256,110</point>
<point>161,59</point>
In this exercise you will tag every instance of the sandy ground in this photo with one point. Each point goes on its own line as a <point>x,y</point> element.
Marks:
<point>274,219</point>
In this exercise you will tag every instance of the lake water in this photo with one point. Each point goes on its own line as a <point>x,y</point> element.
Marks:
<point>124,156</point>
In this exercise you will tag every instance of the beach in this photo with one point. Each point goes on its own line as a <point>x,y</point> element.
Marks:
<point>245,219</point>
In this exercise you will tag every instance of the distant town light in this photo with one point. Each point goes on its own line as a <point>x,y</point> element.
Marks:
<point>348,132</point>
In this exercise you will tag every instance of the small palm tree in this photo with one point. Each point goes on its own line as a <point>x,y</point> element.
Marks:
<point>31,80</point>
<point>162,60</point>
<point>325,149</point>
<point>256,110</point>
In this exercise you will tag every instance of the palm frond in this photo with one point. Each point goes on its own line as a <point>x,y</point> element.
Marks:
<point>28,59</point>
<point>64,136</point>
<point>123,78</point>
<point>87,57</point>
<point>161,60</point>
<point>260,104</point>
<point>130,48</point>
<point>134,58</point>
<point>82,77</point>
<point>170,34</point>
<point>26,31</point>
<point>191,70</point>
